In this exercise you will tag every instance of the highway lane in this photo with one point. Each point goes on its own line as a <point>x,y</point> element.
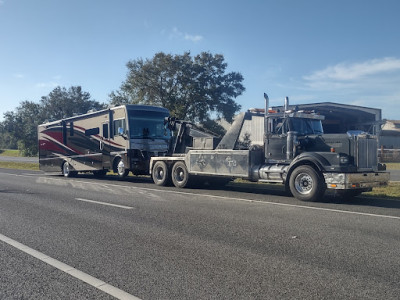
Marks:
<point>194,244</point>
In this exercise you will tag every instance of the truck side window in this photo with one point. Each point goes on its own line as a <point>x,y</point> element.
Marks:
<point>279,126</point>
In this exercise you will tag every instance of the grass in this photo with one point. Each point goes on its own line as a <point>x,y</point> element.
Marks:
<point>390,191</point>
<point>392,166</point>
<point>19,165</point>
<point>9,152</point>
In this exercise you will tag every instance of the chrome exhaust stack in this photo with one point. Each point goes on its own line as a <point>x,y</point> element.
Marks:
<point>266,113</point>
<point>286,107</point>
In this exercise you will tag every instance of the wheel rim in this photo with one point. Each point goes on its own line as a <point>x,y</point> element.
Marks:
<point>121,167</point>
<point>159,173</point>
<point>66,169</point>
<point>303,183</point>
<point>179,174</point>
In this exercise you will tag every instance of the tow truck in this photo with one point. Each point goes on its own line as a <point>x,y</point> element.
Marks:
<point>296,153</point>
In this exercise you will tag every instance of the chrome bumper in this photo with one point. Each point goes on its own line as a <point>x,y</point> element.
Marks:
<point>345,181</point>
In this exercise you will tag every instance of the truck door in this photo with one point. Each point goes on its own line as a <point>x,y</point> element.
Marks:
<point>276,142</point>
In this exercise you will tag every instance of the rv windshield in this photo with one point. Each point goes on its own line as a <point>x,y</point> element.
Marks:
<point>147,124</point>
<point>306,126</point>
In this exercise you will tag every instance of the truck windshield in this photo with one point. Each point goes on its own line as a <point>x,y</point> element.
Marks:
<point>147,124</point>
<point>306,126</point>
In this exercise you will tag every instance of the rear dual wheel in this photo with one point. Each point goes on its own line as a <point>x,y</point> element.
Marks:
<point>161,174</point>
<point>180,175</point>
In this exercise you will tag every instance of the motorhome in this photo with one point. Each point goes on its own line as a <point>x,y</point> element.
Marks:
<point>121,139</point>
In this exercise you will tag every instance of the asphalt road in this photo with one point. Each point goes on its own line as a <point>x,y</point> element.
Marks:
<point>165,243</point>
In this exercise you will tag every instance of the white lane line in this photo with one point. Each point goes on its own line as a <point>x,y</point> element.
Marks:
<point>96,283</point>
<point>104,203</point>
<point>262,202</point>
<point>239,199</point>
<point>258,201</point>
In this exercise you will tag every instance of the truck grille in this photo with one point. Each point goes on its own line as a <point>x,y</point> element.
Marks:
<point>366,152</point>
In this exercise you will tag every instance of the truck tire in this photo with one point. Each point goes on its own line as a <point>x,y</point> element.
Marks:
<point>180,175</point>
<point>160,174</point>
<point>306,184</point>
<point>122,172</point>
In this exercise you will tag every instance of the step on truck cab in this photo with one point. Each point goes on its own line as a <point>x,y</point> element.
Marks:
<point>295,152</point>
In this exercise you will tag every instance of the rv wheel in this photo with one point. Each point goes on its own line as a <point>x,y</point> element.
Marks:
<point>66,170</point>
<point>160,174</point>
<point>180,175</point>
<point>121,170</point>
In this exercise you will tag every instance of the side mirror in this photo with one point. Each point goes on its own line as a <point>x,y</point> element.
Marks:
<point>122,133</point>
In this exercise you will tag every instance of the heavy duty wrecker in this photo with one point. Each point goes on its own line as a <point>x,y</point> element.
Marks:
<point>296,153</point>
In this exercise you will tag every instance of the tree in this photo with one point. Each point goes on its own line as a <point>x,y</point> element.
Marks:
<point>62,103</point>
<point>20,126</point>
<point>192,88</point>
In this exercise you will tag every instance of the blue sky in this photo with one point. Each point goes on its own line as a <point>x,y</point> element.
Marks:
<point>312,51</point>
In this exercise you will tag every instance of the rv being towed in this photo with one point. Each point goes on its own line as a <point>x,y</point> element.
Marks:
<point>121,139</point>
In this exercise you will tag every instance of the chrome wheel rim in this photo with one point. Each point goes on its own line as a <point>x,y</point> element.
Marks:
<point>66,169</point>
<point>159,173</point>
<point>179,174</point>
<point>121,167</point>
<point>303,183</point>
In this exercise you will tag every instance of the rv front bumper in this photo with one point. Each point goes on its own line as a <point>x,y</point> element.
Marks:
<point>346,181</point>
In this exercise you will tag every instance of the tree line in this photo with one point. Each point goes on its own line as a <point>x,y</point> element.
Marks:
<point>195,88</point>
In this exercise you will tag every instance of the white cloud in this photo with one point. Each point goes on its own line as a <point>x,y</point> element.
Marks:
<point>373,83</point>
<point>50,84</point>
<point>175,33</point>
<point>19,75</point>
<point>2,2</point>
<point>54,82</point>
<point>193,38</point>
<point>355,71</point>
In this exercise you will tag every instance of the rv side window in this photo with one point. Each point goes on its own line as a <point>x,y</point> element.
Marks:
<point>105,131</point>
<point>92,131</point>
<point>119,124</point>
<point>71,129</point>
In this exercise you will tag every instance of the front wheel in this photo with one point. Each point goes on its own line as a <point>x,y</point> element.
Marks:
<point>180,175</point>
<point>121,170</point>
<point>306,184</point>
